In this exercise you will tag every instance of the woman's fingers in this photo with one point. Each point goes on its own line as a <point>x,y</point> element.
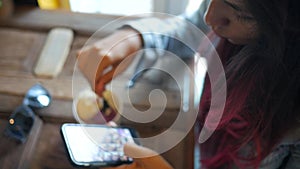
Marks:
<point>100,61</point>
<point>103,80</point>
<point>106,75</point>
<point>85,61</point>
<point>145,158</point>
<point>112,124</point>
<point>95,65</point>
<point>150,160</point>
<point>88,62</point>
<point>131,166</point>
<point>136,151</point>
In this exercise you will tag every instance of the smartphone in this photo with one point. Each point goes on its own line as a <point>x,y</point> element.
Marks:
<point>92,145</point>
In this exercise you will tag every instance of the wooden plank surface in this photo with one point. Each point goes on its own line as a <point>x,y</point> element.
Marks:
<point>19,52</point>
<point>34,18</point>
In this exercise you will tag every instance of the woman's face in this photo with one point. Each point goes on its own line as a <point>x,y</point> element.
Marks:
<point>231,20</point>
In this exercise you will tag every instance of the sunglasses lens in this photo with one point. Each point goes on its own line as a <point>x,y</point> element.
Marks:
<point>22,119</point>
<point>37,97</point>
<point>20,123</point>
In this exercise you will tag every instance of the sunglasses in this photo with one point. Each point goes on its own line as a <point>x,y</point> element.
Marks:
<point>22,119</point>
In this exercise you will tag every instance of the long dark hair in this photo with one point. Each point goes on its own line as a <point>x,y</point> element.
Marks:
<point>263,88</point>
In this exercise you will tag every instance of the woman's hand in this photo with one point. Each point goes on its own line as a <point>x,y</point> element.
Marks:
<point>150,160</point>
<point>99,62</point>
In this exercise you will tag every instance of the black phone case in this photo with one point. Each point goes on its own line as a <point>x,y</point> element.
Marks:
<point>133,132</point>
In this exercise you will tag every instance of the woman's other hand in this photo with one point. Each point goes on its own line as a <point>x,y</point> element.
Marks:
<point>150,160</point>
<point>99,62</point>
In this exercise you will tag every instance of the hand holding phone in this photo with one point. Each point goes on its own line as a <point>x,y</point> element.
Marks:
<point>97,145</point>
<point>150,160</point>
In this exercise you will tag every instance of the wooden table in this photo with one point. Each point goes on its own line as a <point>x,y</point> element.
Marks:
<point>22,39</point>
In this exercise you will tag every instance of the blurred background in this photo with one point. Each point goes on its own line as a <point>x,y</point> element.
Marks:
<point>114,7</point>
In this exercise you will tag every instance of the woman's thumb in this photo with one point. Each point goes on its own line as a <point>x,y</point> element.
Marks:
<point>136,151</point>
<point>145,157</point>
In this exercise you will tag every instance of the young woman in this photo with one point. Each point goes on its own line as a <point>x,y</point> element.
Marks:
<point>258,42</point>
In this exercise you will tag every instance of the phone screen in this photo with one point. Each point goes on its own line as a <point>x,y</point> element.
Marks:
<point>96,145</point>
